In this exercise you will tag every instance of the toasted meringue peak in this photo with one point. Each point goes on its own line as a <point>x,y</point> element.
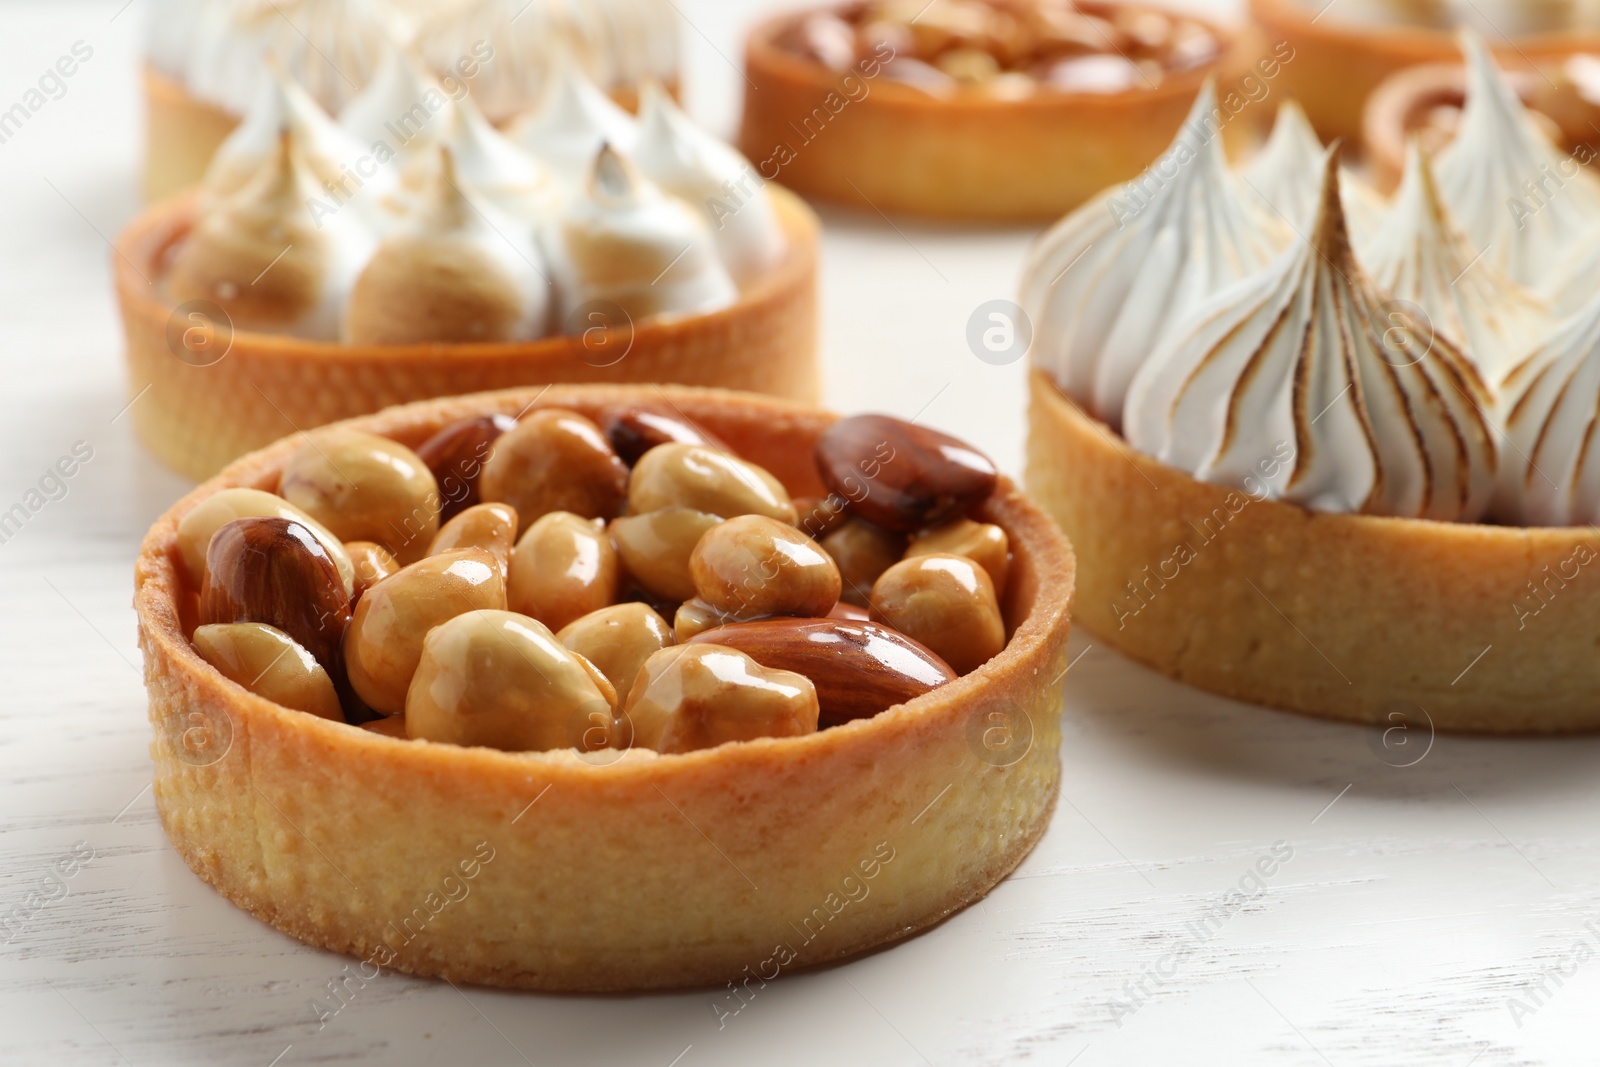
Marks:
<point>267,259</point>
<point>575,119</point>
<point>402,113</point>
<point>513,47</point>
<point>1421,256</point>
<point>689,163</point>
<point>281,106</point>
<point>457,269</point>
<point>1551,468</point>
<point>1285,178</point>
<point>1104,285</point>
<point>495,166</point>
<point>625,241</point>
<point>1302,383</point>
<point>1519,199</point>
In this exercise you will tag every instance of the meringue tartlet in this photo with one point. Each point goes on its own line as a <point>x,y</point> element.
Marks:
<point>1335,468</point>
<point>977,108</point>
<point>310,278</point>
<point>571,870</point>
<point>1346,49</point>
<point>205,60</point>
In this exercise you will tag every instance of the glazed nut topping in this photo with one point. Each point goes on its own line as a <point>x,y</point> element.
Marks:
<point>568,587</point>
<point>1008,48</point>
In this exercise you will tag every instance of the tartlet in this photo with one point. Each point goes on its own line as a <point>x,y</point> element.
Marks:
<point>199,415</point>
<point>892,146</point>
<point>1339,64</point>
<point>728,864</point>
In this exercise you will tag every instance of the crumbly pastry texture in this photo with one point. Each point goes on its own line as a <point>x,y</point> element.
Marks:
<point>561,872</point>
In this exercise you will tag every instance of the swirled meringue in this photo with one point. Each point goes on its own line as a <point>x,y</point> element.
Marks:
<point>1104,283</point>
<point>1420,256</point>
<point>401,115</point>
<point>281,106</point>
<point>1297,364</point>
<point>689,163</point>
<point>267,259</point>
<point>1283,178</point>
<point>489,163</point>
<point>457,269</point>
<point>576,119</point>
<point>624,241</point>
<point>1551,470</point>
<point>1519,199</point>
<point>517,45</point>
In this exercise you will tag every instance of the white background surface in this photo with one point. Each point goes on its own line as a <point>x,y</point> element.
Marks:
<point>1417,901</point>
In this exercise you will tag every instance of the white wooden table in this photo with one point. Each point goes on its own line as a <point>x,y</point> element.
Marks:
<point>1410,916</point>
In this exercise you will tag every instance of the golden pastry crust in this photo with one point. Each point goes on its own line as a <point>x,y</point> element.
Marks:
<point>199,415</point>
<point>1487,629</point>
<point>1337,66</point>
<point>183,132</point>
<point>896,148</point>
<point>724,865</point>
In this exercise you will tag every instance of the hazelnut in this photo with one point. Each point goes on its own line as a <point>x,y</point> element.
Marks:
<point>364,488</point>
<point>563,568</point>
<point>655,547</point>
<point>269,663</point>
<point>618,640</point>
<point>386,635</point>
<point>555,460</point>
<point>456,455</point>
<point>502,680</point>
<point>491,527</point>
<point>225,505</point>
<point>695,617</point>
<point>947,603</point>
<point>982,542</point>
<point>697,696</point>
<point>693,476</point>
<point>862,551</point>
<point>372,563</point>
<point>276,572</point>
<point>753,566</point>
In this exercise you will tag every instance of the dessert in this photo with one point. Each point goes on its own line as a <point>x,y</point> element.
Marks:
<point>310,278</point>
<point>1345,50</point>
<point>1352,481</point>
<point>667,808</point>
<point>206,60</point>
<point>984,109</point>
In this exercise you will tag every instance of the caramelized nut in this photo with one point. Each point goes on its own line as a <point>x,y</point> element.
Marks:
<point>276,572</point>
<point>655,547</point>
<point>633,431</point>
<point>372,563</point>
<point>500,679</point>
<point>271,664</point>
<point>693,476</point>
<point>819,516</point>
<point>849,612</point>
<point>858,668</point>
<point>386,635</point>
<point>491,527</point>
<point>863,550</point>
<point>555,460</point>
<point>753,566</point>
<point>222,507</point>
<point>693,617</point>
<point>618,640</point>
<point>982,542</point>
<point>563,568</point>
<point>364,488</point>
<point>947,603</point>
<point>698,696</point>
<point>456,455</point>
<point>902,476</point>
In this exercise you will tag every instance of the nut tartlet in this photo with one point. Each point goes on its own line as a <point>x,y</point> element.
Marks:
<point>204,59</point>
<point>607,870</point>
<point>979,109</point>
<point>1340,59</point>
<point>1350,474</point>
<point>310,279</point>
